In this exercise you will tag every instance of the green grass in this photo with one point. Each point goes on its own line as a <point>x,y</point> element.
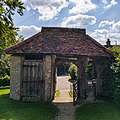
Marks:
<point>57,93</point>
<point>98,111</point>
<point>13,110</point>
<point>71,93</point>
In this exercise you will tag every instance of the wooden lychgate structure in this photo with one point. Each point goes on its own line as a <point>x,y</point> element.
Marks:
<point>34,60</point>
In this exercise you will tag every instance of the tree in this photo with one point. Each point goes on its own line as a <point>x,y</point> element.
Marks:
<point>8,32</point>
<point>116,94</point>
<point>111,77</point>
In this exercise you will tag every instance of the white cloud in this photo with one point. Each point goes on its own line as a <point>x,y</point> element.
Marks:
<point>116,27</point>
<point>112,3</point>
<point>82,6</point>
<point>105,2</point>
<point>47,9</point>
<point>103,31</point>
<point>100,35</point>
<point>78,20</point>
<point>28,31</point>
<point>115,38</point>
<point>106,23</point>
<point>114,35</point>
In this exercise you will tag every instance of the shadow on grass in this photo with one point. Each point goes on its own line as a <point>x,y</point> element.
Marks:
<point>15,110</point>
<point>98,111</point>
<point>6,87</point>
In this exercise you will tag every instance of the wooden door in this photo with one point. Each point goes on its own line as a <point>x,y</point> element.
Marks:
<point>32,84</point>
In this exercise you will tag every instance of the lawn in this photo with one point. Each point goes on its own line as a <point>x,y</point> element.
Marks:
<point>13,110</point>
<point>98,111</point>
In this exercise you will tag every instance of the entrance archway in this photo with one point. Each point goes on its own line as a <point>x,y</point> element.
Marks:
<point>64,70</point>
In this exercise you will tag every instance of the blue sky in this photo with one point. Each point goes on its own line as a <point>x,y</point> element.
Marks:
<point>100,18</point>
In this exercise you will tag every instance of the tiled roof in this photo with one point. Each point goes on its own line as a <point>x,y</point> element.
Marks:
<point>62,41</point>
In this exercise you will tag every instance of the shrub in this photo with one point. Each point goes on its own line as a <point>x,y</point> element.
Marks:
<point>73,71</point>
<point>116,95</point>
<point>5,81</point>
<point>111,78</point>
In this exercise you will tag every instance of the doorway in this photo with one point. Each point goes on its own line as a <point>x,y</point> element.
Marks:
<point>64,81</point>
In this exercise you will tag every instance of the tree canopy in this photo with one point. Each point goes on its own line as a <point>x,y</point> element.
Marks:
<point>8,32</point>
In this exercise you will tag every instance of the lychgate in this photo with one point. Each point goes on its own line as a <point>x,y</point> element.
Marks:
<point>33,63</point>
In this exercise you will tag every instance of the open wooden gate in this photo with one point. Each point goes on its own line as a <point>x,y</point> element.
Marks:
<point>32,84</point>
<point>75,92</point>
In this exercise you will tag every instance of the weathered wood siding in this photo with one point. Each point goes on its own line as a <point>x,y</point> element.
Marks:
<point>32,84</point>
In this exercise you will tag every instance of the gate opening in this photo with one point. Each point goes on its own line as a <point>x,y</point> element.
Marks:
<point>66,74</point>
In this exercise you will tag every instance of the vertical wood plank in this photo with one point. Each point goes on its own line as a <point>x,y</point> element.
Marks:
<point>32,85</point>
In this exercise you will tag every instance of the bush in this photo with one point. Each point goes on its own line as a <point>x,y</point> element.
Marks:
<point>116,96</point>
<point>108,78</point>
<point>62,68</point>
<point>5,81</point>
<point>111,78</point>
<point>73,71</point>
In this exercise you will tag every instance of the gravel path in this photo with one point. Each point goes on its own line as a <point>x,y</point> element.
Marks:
<point>66,111</point>
<point>64,102</point>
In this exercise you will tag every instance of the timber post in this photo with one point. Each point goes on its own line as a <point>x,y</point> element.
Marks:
<point>82,61</point>
<point>99,65</point>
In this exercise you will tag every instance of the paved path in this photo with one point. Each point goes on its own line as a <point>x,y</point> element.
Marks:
<point>66,111</point>
<point>64,102</point>
<point>63,83</point>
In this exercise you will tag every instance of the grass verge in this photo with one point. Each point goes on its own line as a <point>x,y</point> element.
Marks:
<point>57,93</point>
<point>98,111</point>
<point>13,110</point>
<point>71,93</point>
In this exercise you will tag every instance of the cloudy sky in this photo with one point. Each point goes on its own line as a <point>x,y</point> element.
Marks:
<point>100,18</point>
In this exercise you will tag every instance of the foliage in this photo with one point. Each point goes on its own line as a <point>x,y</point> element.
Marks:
<point>98,111</point>
<point>90,72</point>
<point>116,52</point>
<point>71,93</point>
<point>62,68</point>
<point>116,94</point>
<point>111,77</point>
<point>57,93</point>
<point>13,110</point>
<point>8,32</point>
<point>108,78</point>
<point>73,71</point>
<point>5,81</point>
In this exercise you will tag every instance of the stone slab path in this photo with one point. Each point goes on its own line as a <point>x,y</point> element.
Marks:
<point>64,102</point>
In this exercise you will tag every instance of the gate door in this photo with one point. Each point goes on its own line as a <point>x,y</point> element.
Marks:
<point>32,88</point>
<point>75,92</point>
